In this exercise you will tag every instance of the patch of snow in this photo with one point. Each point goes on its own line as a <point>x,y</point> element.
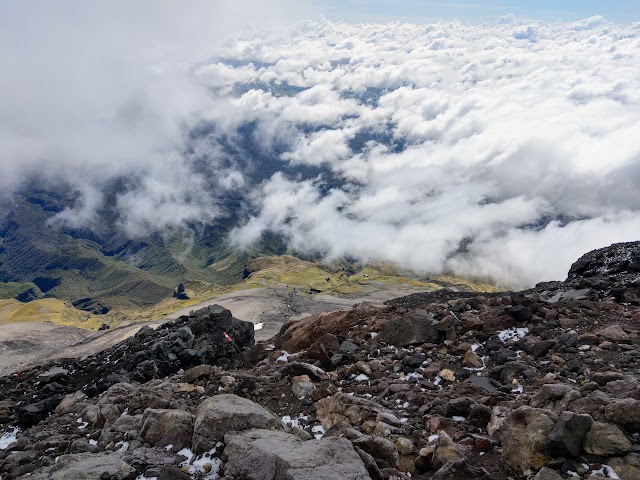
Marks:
<point>374,334</point>
<point>258,326</point>
<point>361,378</point>
<point>142,477</point>
<point>284,357</point>
<point>169,447</point>
<point>514,334</point>
<point>413,375</point>
<point>475,347</point>
<point>611,473</point>
<point>124,446</point>
<point>294,422</point>
<point>9,438</point>
<point>205,466</point>
<point>318,431</point>
<point>458,418</point>
<point>93,442</point>
<point>433,438</point>
<point>518,389</point>
<point>437,381</point>
<point>83,424</point>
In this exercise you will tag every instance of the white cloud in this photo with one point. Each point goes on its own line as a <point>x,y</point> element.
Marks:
<point>501,136</point>
<point>519,137</point>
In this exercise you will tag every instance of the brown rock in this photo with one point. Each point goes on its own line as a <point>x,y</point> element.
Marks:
<point>447,451</point>
<point>167,427</point>
<point>198,372</point>
<point>624,413</point>
<point>472,360</point>
<point>523,435</point>
<point>615,333</point>
<point>605,440</point>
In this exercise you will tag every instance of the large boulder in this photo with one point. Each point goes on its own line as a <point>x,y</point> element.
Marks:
<point>32,413</point>
<point>379,448</point>
<point>523,433</point>
<point>605,440</point>
<point>226,413</point>
<point>624,413</point>
<point>167,427</point>
<point>87,465</point>
<point>411,329</point>
<point>275,455</point>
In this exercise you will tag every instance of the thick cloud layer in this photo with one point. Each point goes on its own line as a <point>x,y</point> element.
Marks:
<point>503,151</point>
<point>518,142</point>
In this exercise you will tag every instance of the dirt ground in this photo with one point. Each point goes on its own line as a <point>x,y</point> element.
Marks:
<point>31,343</point>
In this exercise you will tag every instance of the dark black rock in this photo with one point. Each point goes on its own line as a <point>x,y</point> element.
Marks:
<point>565,440</point>
<point>180,293</point>
<point>542,348</point>
<point>616,259</point>
<point>519,313</point>
<point>32,413</point>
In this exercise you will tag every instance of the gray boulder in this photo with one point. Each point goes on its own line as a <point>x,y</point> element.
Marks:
<point>410,329</point>
<point>226,413</point>
<point>276,455</point>
<point>87,465</point>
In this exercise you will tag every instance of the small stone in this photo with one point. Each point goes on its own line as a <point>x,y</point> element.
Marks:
<point>363,367</point>
<point>447,374</point>
<point>547,474</point>
<point>227,381</point>
<point>472,360</point>
<point>302,387</point>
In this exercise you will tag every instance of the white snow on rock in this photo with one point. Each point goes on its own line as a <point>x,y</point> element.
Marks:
<point>203,467</point>
<point>9,438</point>
<point>258,326</point>
<point>318,431</point>
<point>284,357</point>
<point>514,334</point>
<point>361,378</point>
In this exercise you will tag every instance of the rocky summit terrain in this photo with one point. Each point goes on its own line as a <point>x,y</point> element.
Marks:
<point>541,384</point>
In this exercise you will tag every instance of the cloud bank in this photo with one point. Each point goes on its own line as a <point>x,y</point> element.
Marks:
<point>502,150</point>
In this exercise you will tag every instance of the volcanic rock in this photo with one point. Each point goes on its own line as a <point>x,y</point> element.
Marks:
<point>268,454</point>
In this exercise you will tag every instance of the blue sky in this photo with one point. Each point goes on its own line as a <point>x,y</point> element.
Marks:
<point>621,11</point>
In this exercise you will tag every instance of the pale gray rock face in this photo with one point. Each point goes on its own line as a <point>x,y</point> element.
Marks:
<point>87,465</point>
<point>227,413</point>
<point>275,455</point>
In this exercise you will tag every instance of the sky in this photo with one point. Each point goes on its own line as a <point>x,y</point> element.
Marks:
<point>504,149</point>
<point>622,11</point>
